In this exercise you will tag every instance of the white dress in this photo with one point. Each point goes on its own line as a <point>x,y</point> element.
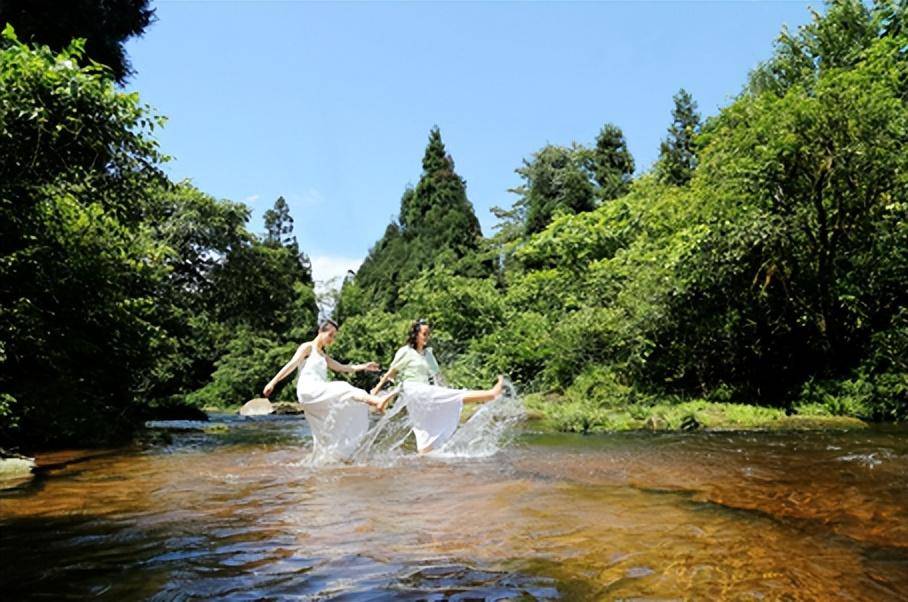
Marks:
<point>434,411</point>
<point>337,420</point>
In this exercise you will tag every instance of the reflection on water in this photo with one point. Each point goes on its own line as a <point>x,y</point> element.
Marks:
<point>235,512</point>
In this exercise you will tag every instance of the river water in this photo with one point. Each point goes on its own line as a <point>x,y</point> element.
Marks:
<point>238,512</point>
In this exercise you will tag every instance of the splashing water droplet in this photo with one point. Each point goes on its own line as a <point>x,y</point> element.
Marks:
<point>487,431</point>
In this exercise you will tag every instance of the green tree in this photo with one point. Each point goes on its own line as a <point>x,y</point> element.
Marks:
<point>79,268</point>
<point>248,361</point>
<point>105,27</point>
<point>834,40</point>
<point>802,185</point>
<point>612,163</point>
<point>199,231</point>
<point>279,224</point>
<point>678,152</point>
<point>260,286</point>
<point>437,213</point>
<point>279,232</point>
<point>436,225</point>
<point>556,181</point>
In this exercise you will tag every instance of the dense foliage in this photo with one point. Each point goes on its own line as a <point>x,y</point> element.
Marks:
<point>678,152</point>
<point>764,260</point>
<point>119,290</point>
<point>105,26</point>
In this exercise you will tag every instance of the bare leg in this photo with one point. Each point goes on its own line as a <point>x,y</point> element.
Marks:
<point>379,403</point>
<point>487,395</point>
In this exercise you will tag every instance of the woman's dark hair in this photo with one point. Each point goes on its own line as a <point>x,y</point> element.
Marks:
<point>415,327</point>
<point>326,324</point>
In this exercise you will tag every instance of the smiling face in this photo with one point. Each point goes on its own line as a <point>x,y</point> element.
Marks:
<point>422,338</point>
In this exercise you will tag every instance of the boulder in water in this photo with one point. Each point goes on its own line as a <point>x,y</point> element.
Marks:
<point>289,408</point>
<point>257,407</point>
<point>15,466</point>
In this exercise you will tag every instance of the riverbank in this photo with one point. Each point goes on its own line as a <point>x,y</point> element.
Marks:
<point>558,413</point>
<point>552,412</point>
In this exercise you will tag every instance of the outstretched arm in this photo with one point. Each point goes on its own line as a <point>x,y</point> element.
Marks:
<point>385,378</point>
<point>301,353</point>
<point>339,367</point>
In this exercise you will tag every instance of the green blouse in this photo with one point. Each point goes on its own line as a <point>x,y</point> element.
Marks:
<point>414,366</point>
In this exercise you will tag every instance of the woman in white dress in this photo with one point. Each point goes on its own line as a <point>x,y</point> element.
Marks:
<point>434,410</point>
<point>337,412</point>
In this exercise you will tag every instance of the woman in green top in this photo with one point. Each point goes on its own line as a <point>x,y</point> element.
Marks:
<point>434,409</point>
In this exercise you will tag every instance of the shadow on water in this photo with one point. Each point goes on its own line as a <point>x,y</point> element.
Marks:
<point>232,509</point>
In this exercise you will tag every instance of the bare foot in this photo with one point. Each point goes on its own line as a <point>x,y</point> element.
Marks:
<point>384,401</point>
<point>499,387</point>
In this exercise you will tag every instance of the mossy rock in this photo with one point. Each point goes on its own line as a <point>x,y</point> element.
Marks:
<point>656,423</point>
<point>216,429</point>
<point>287,408</point>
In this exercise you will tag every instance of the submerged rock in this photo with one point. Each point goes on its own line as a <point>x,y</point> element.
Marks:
<point>257,407</point>
<point>216,429</point>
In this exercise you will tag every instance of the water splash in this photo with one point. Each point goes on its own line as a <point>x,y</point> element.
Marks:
<point>487,431</point>
<point>384,442</point>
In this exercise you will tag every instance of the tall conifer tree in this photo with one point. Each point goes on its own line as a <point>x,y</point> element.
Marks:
<point>613,165</point>
<point>436,223</point>
<point>279,224</point>
<point>677,154</point>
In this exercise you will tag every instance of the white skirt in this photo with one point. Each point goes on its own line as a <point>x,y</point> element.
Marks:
<point>337,420</point>
<point>434,412</point>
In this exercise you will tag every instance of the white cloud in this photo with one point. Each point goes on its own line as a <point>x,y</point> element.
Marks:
<point>329,267</point>
<point>252,198</point>
<point>328,272</point>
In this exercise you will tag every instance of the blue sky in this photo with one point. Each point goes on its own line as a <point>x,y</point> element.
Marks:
<point>330,104</point>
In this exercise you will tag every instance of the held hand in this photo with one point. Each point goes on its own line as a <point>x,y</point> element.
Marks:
<point>371,367</point>
<point>268,390</point>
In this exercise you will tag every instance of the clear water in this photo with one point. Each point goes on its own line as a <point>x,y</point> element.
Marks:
<point>238,512</point>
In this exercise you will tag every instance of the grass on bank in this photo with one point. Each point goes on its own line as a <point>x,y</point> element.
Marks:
<point>562,413</point>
